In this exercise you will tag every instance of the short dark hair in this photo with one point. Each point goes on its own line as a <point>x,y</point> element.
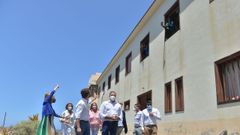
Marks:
<point>68,104</point>
<point>149,101</point>
<point>138,105</point>
<point>85,92</point>
<point>112,92</point>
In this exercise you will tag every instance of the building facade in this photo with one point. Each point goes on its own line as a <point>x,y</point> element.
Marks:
<point>184,55</point>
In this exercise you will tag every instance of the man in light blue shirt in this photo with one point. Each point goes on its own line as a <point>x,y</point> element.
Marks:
<point>150,117</point>
<point>110,112</point>
<point>138,120</point>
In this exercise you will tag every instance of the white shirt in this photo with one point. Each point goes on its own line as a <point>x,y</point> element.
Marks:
<point>138,119</point>
<point>67,129</point>
<point>82,110</point>
<point>151,120</point>
<point>120,122</point>
<point>108,108</point>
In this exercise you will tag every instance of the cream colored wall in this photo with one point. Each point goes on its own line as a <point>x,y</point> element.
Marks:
<point>208,33</point>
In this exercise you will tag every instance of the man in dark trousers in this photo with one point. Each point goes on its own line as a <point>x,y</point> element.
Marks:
<point>110,113</point>
<point>122,123</point>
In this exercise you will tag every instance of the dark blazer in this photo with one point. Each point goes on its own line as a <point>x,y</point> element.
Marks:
<point>125,123</point>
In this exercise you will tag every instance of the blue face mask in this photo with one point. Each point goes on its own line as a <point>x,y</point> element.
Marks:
<point>149,108</point>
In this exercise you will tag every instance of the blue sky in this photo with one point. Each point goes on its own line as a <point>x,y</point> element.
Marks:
<point>44,42</point>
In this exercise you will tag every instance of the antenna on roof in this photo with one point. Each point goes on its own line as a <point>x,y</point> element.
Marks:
<point>4,119</point>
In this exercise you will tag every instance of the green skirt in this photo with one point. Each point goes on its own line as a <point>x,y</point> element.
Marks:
<point>46,126</point>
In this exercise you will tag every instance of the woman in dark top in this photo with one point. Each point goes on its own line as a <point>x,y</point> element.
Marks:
<point>46,126</point>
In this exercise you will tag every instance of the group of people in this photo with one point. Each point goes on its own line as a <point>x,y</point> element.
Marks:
<point>87,119</point>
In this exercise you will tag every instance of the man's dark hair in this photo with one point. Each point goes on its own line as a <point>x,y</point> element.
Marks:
<point>85,92</point>
<point>138,105</point>
<point>149,101</point>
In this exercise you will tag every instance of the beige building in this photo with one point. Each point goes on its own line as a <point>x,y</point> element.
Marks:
<point>184,55</point>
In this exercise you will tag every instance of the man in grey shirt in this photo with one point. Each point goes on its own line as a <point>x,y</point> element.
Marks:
<point>138,120</point>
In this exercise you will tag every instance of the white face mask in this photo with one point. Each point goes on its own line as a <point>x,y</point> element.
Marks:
<point>112,98</point>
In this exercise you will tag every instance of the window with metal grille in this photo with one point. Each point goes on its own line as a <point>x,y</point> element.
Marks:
<point>228,79</point>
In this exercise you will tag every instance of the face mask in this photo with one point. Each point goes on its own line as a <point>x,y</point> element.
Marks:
<point>70,108</point>
<point>112,98</point>
<point>149,107</point>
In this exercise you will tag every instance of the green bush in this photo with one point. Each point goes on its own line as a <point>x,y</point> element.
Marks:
<point>25,128</point>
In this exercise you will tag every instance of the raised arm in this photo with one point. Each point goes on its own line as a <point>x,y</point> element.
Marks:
<point>48,99</point>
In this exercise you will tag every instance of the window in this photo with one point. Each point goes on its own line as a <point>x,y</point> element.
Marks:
<point>168,98</point>
<point>117,72</point>
<point>144,48</point>
<point>127,105</point>
<point>99,91</point>
<point>228,79</point>
<point>143,98</point>
<point>172,21</point>
<point>179,96</point>
<point>103,87</point>
<point>109,81</point>
<point>128,63</point>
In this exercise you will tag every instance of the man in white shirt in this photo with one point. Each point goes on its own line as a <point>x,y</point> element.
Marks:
<point>138,120</point>
<point>82,114</point>
<point>150,117</point>
<point>110,112</point>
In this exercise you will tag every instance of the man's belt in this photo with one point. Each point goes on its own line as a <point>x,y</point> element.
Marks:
<point>151,126</point>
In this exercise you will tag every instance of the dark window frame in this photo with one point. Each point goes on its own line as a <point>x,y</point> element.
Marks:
<point>144,47</point>
<point>128,64</point>
<point>179,94</point>
<point>229,95</point>
<point>143,98</point>
<point>127,103</point>
<point>172,20</point>
<point>168,97</point>
<point>109,81</point>
<point>117,74</point>
<point>103,87</point>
